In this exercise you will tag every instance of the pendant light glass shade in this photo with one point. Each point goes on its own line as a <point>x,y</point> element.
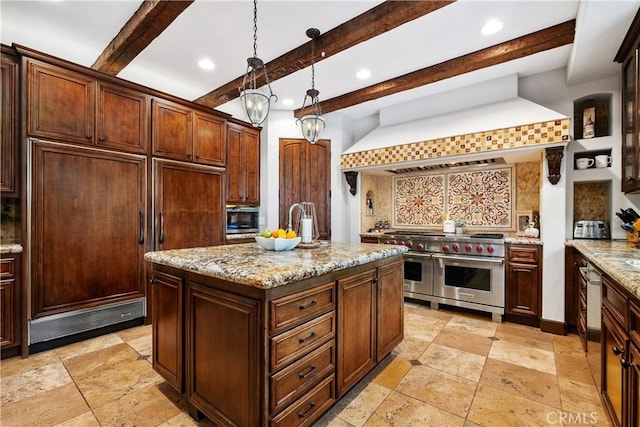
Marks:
<point>256,103</point>
<point>312,124</point>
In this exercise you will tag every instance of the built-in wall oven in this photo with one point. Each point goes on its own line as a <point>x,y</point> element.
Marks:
<point>461,270</point>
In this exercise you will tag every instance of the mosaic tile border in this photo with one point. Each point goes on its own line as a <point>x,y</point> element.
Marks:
<point>551,132</point>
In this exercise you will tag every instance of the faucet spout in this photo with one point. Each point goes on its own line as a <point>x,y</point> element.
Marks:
<point>290,225</point>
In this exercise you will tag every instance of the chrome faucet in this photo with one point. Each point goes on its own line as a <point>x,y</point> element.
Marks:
<point>290,225</point>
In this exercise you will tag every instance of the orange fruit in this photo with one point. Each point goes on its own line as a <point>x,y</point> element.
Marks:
<point>274,234</point>
<point>291,235</point>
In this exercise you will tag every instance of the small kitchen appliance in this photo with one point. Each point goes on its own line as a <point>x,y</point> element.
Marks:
<point>242,219</point>
<point>588,229</point>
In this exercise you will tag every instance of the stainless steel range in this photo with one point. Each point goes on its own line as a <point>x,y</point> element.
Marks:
<point>454,269</point>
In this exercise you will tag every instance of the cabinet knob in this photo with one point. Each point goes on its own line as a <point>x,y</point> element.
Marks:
<point>616,351</point>
<point>630,179</point>
<point>153,281</point>
<point>624,363</point>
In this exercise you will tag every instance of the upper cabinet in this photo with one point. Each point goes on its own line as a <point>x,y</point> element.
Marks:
<point>243,165</point>
<point>182,133</point>
<point>73,107</point>
<point>628,56</point>
<point>9,130</point>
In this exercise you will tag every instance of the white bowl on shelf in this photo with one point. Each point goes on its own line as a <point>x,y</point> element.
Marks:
<point>278,245</point>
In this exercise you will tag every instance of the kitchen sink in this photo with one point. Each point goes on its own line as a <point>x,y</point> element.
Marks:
<point>635,263</point>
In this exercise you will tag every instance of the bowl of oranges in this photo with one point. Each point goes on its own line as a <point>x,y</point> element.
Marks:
<point>278,240</point>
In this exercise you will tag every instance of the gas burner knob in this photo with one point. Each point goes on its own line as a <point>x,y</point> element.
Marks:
<point>445,248</point>
<point>409,244</point>
<point>468,248</point>
<point>490,249</point>
<point>393,242</point>
<point>479,248</point>
<point>419,246</point>
<point>455,247</point>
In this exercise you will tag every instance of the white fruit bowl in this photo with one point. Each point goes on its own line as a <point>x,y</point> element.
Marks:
<point>277,245</point>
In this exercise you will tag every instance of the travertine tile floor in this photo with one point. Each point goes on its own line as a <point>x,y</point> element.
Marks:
<point>452,369</point>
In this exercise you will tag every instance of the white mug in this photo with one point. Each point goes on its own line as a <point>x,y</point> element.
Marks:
<point>602,161</point>
<point>584,163</point>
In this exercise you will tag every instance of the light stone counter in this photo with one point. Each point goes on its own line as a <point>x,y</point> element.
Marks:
<point>250,264</point>
<point>518,240</point>
<point>610,256</point>
<point>10,248</point>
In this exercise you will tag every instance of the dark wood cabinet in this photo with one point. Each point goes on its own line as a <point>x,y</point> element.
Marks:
<point>524,284</point>
<point>10,304</point>
<point>60,103</point>
<point>356,329</point>
<point>122,119</point>
<point>167,292</point>
<point>368,240</point>
<point>614,369</point>
<point>628,56</point>
<point>182,133</point>
<point>88,227</point>
<point>9,152</point>
<point>305,176</point>
<point>243,165</point>
<point>188,205</point>
<point>390,308</point>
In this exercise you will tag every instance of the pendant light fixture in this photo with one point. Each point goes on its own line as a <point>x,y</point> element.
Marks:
<point>256,103</point>
<point>312,124</point>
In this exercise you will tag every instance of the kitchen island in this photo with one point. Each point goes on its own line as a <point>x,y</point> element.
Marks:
<point>258,338</point>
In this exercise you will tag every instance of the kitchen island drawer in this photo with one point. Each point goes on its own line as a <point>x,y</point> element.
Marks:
<point>309,407</point>
<point>615,301</point>
<point>295,309</point>
<point>291,345</point>
<point>294,380</point>
<point>634,321</point>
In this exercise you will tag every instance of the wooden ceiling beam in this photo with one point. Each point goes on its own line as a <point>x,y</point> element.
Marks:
<point>151,19</point>
<point>376,21</point>
<point>540,41</point>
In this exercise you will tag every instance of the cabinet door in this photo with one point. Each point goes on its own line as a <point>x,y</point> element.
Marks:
<point>523,292</point>
<point>390,308</point>
<point>168,328</point>
<point>236,165</point>
<point>223,355</point>
<point>122,119</point>
<point>356,344</point>
<point>61,104</point>
<point>614,344</point>
<point>634,386</point>
<point>251,149</point>
<point>188,205</point>
<point>630,145</point>
<point>171,134</point>
<point>9,127</point>
<point>208,140</point>
<point>87,228</point>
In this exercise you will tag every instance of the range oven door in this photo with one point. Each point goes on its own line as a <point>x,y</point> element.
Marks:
<point>477,280</point>
<point>418,274</point>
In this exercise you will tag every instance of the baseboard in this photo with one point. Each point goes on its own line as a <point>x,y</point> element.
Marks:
<point>522,320</point>
<point>593,335</point>
<point>553,327</point>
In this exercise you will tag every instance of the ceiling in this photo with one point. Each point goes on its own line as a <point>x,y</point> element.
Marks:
<point>222,31</point>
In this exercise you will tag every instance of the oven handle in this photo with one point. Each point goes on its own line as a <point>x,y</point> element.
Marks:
<point>475,259</point>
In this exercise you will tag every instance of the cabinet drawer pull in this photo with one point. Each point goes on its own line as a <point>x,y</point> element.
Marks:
<point>616,351</point>
<point>309,372</point>
<point>141,236</point>
<point>305,306</point>
<point>312,336</point>
<point>624,363</point>
<point>161,238</point>
<point>312,407</point>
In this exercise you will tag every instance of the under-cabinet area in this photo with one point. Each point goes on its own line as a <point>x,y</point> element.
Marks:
<point>295,348</point>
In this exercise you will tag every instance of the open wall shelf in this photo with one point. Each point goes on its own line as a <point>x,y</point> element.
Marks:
<point>591,118</point>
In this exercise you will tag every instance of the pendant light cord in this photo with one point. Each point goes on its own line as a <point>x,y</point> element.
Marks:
<point>255,28</point>
<point>313,68</point>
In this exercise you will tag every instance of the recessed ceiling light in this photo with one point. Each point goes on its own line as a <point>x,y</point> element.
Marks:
<point>206,64</point>
<point>287,101</point>
<point>492,26</point>
<point>363,74</point>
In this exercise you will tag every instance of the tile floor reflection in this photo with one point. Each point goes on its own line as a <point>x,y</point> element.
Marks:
<point>453,369</point>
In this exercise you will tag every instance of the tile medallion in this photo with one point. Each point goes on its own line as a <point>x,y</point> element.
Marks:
<point>418,200</point>
<point>534,134</point>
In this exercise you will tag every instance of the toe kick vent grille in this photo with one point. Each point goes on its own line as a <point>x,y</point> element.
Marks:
<point>65,324</point>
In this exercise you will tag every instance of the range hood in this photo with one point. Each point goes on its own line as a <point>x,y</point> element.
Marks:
<point>505,128</point>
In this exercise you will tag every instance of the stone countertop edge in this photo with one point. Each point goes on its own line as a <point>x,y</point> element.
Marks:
<point>250,264</point>
<point>521,240</point>
<point>10,248</point>
<point>241,236</point>
<point>610,256</point>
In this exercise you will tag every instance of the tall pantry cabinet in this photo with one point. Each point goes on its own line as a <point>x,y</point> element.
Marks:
<point>114,170</point>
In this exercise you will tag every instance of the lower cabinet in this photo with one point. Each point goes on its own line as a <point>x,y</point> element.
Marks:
<point>280,356</point>
<point>523,284</point>
<point>10,304</point>
<point>614,341</point>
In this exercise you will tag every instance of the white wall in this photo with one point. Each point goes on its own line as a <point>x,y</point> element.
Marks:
<point>282,124</point>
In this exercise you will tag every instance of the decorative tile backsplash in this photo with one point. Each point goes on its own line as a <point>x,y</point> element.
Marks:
<point>484,198</point>
<point>590,201</point>
<point>10,221</point>
<point>499,139</point>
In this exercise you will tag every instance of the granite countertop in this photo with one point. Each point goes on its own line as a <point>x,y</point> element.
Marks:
<point>240,236</point>
<point>250,264</point>
<point>10,248</point>
<point>610,256</point>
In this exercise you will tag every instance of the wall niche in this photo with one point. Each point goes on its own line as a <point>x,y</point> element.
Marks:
<point>591,118</point>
